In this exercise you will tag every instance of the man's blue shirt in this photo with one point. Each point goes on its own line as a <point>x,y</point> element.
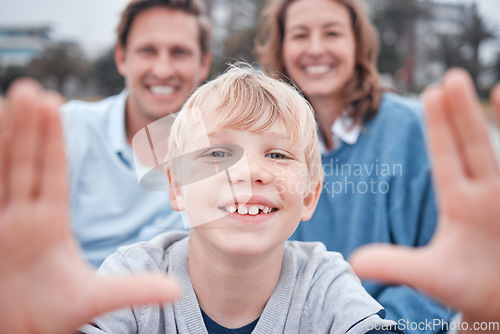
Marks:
<point>108,207</point>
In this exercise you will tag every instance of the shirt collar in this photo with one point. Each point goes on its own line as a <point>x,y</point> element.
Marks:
<point>116,124</point>
<point>343,130</point>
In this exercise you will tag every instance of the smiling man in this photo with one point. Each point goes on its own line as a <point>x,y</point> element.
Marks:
<point>162,51</point>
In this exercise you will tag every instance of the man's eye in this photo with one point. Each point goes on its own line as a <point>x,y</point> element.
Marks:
<point>146,50</point>
<point>276,155</point>
<point>180,52</point>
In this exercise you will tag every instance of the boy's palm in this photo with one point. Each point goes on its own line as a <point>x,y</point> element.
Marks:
<point>461,265</point>
<point>42,277</point>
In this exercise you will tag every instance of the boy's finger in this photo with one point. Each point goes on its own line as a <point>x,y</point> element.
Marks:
<point>53,178</point>
<point>447,162</point>
<point>24,98</point>
<point>470,124</point>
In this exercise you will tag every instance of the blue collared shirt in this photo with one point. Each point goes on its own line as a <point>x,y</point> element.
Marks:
<point>378,189</point>
<point>108,207</point>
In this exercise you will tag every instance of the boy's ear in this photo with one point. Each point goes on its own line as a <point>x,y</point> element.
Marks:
<point>175,192</point>
<point>310,202</point>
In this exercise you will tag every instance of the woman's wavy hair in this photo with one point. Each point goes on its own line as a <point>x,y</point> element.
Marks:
<point>363,91</point>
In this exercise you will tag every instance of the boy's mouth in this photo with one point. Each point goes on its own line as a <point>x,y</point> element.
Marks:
<point>248,209</point>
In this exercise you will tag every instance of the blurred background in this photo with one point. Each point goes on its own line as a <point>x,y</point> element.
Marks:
<point>68,45</point>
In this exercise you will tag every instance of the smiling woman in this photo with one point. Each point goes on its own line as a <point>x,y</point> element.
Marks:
<point>328,49</point>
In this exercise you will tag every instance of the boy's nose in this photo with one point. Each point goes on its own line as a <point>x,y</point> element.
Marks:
<point>251,170</point>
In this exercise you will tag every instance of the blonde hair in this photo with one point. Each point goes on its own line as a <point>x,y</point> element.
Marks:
<point>364,90</point>
<point>246,99</point>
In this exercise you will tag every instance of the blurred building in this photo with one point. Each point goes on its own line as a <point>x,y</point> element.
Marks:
<point>421,37</point>
<point>20,44</point>
<point>445,22</point>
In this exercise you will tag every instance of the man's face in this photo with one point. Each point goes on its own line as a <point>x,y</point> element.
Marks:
<point>162,62</point>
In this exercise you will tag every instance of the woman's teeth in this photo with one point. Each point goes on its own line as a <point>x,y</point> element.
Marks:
<point>320,69</point>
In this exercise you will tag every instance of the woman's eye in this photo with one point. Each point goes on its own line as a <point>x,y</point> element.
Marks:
<point>276,155</point>
<point>299,36</point>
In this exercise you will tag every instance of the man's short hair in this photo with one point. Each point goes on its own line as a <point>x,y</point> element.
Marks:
<point>193,7</point>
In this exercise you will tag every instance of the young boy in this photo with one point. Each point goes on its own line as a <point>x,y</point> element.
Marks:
<point>243,163</point>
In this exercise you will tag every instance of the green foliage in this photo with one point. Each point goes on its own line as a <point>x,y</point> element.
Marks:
<point>105,75</point>
<point>8,75</point>
<point>57,63</point>
<point>395,22</point>
<point>474,35</point>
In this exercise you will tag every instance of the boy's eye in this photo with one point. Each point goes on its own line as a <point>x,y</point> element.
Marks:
<point>219,154</point>
<point>276,155</point>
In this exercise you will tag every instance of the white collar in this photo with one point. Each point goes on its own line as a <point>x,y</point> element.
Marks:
<point>342,130</point>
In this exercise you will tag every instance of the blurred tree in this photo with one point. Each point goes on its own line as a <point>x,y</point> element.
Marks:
<point>106,76</point>
<point>474,35</point>
<point>454,52</point>
<point>242,28</point>
<point>496,67</point>
<point>239,46</point>
<point>57,63</point>
<point>395,21</point>
<point>8,75</point>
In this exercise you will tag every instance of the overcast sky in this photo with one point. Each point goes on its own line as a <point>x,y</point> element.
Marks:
<point>92,23</point>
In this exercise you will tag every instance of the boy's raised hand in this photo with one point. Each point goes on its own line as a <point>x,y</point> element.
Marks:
<point>461,265</point>
<point>45,287</point>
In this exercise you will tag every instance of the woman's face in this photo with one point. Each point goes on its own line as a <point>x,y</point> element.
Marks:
<point>319,46</point>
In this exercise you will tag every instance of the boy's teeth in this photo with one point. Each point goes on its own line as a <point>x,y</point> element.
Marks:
<point>165,90</point>
<point>242,210</point>
<point>253,210</point>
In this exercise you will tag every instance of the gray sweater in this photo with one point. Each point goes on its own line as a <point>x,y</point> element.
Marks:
<point>317,292</point>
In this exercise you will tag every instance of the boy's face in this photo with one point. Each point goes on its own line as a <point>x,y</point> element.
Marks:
<point>162,62</point>
<point>248,206</point>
